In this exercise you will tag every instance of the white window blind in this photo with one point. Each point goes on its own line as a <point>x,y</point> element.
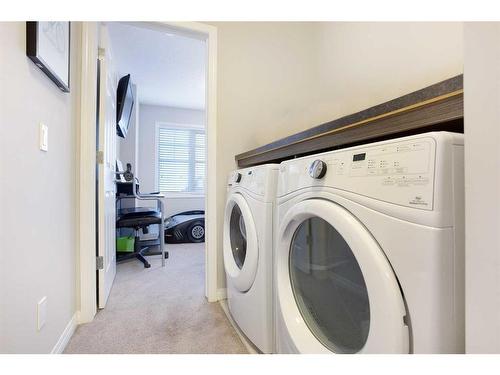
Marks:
<point>181,160</point>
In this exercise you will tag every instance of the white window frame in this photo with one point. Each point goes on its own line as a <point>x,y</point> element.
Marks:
<point>173,125</point>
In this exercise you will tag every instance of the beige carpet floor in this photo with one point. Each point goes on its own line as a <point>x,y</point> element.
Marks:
<point>159,310</point>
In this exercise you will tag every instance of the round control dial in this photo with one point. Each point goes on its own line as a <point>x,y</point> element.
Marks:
<point>317,169</point>
<point>237,177</point>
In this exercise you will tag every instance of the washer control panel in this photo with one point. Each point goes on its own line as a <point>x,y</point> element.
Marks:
<point>400,172</point>
<point>406,161</point>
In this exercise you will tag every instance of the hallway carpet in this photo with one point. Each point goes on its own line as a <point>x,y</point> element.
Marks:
<point>159,310</point>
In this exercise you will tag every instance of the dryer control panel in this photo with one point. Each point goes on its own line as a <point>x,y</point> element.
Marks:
<point>260,180</point>
<point>251,179</point>
<point>399,172</point>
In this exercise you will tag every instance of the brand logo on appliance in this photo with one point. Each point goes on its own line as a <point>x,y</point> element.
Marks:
<point>418,201</point>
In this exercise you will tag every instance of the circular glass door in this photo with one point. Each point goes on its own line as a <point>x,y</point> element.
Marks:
<point>322,264</point>
<point>336,291</point>
<point>238,236</point>
<point>240,243</point>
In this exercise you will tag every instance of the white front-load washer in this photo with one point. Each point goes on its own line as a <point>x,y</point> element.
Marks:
<point>369,251</point>
<point>248,252</point>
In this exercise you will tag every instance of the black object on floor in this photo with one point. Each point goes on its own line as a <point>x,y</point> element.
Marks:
<point>138,218</point>
<point>184,227</point>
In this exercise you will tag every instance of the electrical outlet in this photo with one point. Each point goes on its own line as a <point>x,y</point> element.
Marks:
<point>41,313</point>
<point>44,137</point>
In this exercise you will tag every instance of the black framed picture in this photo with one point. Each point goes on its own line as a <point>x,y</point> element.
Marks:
<point>48,46</point>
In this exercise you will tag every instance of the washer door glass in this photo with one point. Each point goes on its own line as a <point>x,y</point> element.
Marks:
<point>238,236</point>
<point>329,287</point>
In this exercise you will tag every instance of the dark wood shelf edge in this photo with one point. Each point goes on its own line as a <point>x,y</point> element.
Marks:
<point>437,107</point>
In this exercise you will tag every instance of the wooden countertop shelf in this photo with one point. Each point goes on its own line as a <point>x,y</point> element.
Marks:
<point>436,107</point>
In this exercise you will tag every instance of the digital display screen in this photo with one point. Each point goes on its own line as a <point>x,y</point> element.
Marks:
<point>359,157</point>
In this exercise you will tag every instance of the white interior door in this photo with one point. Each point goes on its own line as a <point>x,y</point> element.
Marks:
<point>106,209</point>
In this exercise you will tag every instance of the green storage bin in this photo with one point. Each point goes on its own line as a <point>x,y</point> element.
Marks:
<point>125,244</point>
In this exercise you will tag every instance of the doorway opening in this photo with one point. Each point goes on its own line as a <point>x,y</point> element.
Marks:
<point>94,47</point>
<point>153,81</point>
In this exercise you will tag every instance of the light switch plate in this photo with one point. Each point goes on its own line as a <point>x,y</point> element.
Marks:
<point>44,137</point>
<point>41,313</point>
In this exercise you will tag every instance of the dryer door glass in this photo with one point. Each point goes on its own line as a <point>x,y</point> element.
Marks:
<point>238,236</point>
<point>329,287</point>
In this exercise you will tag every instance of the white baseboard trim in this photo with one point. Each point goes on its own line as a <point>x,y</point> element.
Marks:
<point>249,346</point>
<point>82,318</point>
<point>65,336</point>
<point>221,294</point>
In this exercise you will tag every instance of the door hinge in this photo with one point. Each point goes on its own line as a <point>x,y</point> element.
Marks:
<point>100,157</point>
<point>101,53</point>
<point>99,262</point>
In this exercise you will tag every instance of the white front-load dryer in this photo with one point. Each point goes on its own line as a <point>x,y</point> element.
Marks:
<point>248,252</point>
<point>369,251</point>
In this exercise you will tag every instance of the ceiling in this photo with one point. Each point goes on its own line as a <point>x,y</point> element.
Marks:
<point>168,68</point>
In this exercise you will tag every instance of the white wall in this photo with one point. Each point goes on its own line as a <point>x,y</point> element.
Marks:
<point>149,115</point>
<point>361,64</point>
<point>275,79</point>
<point>482,186</point>
<point>38,213</point>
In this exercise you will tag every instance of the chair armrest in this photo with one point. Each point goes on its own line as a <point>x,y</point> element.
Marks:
<point>145,196</point>
<point>150,196</point>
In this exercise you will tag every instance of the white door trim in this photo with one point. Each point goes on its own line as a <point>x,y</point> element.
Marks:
<point>86,155</point>
<point>86,289</point>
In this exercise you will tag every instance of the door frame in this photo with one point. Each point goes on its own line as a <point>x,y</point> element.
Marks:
<point>86,156</point>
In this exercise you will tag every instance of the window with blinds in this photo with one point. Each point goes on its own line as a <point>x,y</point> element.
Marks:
<point>181,160</point>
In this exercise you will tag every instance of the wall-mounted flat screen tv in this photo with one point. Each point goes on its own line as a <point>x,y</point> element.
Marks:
<point>124,105</point>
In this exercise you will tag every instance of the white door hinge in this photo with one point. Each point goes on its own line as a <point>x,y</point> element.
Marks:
<point>99,262</point>
<point>100,157</point>
<point>101,53</point>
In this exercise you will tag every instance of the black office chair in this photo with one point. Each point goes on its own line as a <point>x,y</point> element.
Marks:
<point>141,218</point>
